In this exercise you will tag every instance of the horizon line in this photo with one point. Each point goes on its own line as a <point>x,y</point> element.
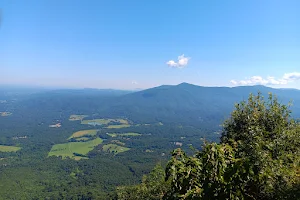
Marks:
<point>122,89</point>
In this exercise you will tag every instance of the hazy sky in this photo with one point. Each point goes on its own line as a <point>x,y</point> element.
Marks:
<point>144,43</point>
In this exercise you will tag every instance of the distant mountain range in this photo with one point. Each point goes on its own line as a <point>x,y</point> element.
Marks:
<point>184,103</point>
<point>190,104</point>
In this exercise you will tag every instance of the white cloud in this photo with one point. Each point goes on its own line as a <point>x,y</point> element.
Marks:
<point>270,80</point>
<point>172,63</point>
<point>233,82</point>
<point>181,63</point>
<point>134,82</point>
<point>292,76</point>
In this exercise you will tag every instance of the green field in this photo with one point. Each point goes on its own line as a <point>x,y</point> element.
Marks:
<point>119,126</point>
<point>77,117</point>
<point>67,149</point>
<point>104,121</point>
<point>83,133</point>
<point>4,148</point>
<point>118,142</point>
<point>123,134</point>
<point>79,157</point>
<point>123,121</point>
<point>113,148</point>
<point>82,139</point>
<point>97,121</point>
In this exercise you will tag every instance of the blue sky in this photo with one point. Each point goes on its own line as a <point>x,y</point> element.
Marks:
<point>136,44</point>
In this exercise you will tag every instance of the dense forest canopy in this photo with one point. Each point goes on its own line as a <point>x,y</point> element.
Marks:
<point>98,100</point>
<point>258,158</point>
<point>122,135</point>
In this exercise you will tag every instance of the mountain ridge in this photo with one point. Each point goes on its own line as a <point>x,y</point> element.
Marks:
<point>187,102</point>
<point>184,103</point>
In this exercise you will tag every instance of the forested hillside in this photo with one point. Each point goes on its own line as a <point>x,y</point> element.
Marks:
<point>184,103</point>
<point>83,144</point>
<point>258,158</point>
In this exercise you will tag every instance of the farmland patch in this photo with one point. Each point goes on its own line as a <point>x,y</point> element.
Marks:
<point>123,134</point>
<point>74,150</point>
<point>77,117</point>
<point>4,148</point>
<point>84,133</point>
<point>118,126</point>
<point>115,149</point>
<point>99,122</point>
<point>82,139</point>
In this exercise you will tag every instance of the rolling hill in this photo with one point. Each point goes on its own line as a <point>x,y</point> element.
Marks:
<point>190,104</point>
<point>185,103</point>
<point>188,114</point>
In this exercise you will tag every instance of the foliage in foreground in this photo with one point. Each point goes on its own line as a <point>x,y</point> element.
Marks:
<point>258,158</point>
<point>153,186</point>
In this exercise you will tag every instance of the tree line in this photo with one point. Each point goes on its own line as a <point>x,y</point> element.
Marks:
<point>258,157</point>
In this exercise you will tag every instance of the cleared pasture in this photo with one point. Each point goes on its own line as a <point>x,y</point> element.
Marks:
<point>96,121</point>
<point>115,149</point>
<point>122,121</point>
<point>82,139</point>
<point>4,148</point>
<point>83,133</point>
<point>104,121</point>
<point>123,134</point>
<point>68,149</point>
<point>79,157</point>
<point>118,126</point>
<point>118,142</point>
<point>77,117</point>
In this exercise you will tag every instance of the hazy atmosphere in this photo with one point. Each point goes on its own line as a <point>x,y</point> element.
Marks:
<point>140,44</point>
<point>150,99</point>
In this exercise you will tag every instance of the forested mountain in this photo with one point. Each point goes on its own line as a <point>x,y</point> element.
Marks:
<point>184,103</point>
<point>190,104</point>
<point>122,135</point>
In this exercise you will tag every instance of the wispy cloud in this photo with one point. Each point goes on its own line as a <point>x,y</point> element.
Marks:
<point>270,80</point>
<point>181,62</point>
<point>134,82</point>
<point>292,76</point>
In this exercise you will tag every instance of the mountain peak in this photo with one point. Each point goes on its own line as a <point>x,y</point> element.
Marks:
<point>184,83</point>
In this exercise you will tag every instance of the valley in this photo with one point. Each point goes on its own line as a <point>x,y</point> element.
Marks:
<point>149,100</point>
<point>91,144</point>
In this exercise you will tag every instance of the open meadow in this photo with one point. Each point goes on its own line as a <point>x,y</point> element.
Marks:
<point>104,121</point>
<point>4,148</point>
<point>115,149</point>
<point>77,117</point>
<point>79,134</point>
<point>82,139</point>
<point>118,126</point>
<point>74,149</point>
<point>123,134</point>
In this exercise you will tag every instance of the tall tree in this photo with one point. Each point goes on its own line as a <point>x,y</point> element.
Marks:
<point>258,158</point>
